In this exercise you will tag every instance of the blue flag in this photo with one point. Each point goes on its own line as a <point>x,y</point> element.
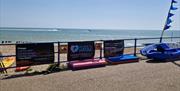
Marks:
<point>173,8</point>
<point>173,1</point>
<point>166,27</point>
<point>168,21</point>
<point>170,14</point>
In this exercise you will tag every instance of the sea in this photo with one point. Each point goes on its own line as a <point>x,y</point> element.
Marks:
<point>19,35</point>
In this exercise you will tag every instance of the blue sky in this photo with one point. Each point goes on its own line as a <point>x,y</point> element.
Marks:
<point>92,14</point>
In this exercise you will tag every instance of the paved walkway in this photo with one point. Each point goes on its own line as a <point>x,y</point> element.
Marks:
<point>141,76</point>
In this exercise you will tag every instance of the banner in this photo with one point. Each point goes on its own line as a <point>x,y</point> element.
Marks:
<point>80,50</point>
<point>167,27</point>
<point>113,48</point>
<point>168,20</point>
<point>34,54</point>
<point>170,14</point>
<point>173,1</point>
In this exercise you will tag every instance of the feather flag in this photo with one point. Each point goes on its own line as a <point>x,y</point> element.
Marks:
<point>168,19</point>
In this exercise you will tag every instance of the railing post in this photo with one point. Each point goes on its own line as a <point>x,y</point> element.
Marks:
<point>135,45</point>
<point>101,51</point>
<point>58,53</point>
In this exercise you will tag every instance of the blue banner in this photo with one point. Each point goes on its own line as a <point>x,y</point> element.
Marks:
<point>168,21</point>
<point>170,15</point>
<point>173,8</point>
<point>167,27</point>
<point>173,1</point>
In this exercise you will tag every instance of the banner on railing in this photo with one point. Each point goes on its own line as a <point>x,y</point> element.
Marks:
<point>34,54</point>
<point>81,50</point>
<point>113,48</point>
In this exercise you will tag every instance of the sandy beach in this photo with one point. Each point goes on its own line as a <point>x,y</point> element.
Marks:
<point>141,76</point>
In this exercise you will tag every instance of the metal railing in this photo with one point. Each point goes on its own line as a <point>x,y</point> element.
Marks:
<point>134,46</point>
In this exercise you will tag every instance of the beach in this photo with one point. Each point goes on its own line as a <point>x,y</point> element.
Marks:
<point>140,76</point>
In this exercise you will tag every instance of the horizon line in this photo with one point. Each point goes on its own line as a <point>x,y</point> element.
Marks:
<point>78,28</point>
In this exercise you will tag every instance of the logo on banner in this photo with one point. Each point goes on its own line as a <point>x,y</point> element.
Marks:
<point>85,48</point>
<point>74,48</point>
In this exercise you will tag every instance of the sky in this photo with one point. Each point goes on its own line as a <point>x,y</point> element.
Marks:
<point>88,14</point>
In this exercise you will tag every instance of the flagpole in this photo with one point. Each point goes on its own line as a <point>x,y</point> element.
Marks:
<point>162,33</point>
<point>161,36</point>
